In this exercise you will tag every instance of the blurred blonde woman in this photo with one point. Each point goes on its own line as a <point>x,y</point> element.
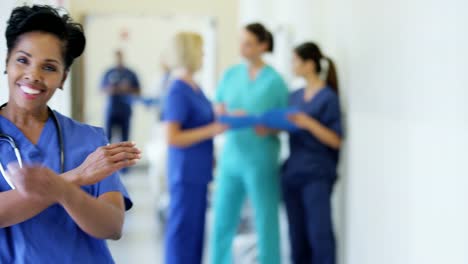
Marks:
<point>191,127</point>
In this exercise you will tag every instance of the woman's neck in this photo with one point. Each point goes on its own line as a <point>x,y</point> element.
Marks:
<point>314,85</point>
<point>188,77</point>
<point>256,64</point>
<point>22,117</point>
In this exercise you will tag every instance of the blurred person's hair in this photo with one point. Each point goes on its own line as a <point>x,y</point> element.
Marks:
<point>185,48</point>
<point>324,66</point>
<point>46,19</point>
<point>262,35</point>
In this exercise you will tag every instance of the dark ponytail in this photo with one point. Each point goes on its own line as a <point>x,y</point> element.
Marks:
<point>262,34</point>
<point>323,65</point>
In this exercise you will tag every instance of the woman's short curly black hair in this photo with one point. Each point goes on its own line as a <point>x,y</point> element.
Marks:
<point>46,19</point>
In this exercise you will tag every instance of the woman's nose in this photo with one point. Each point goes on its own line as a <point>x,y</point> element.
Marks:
<point>32,75</point>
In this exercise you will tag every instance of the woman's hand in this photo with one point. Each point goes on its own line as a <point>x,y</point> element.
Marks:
<point>217,128</point>
<point>262,130</point>
<point>301,120</point>
<point>219,109</point>
<point>37,183</point>
<point>105,161</point>
<point>238,112</point>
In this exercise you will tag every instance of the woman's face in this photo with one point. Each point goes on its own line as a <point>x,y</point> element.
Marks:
<point>35,69</point>
<point>302,68</point>
<point>250,47</point>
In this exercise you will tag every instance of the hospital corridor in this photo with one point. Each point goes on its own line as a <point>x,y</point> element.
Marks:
<point>233,132</point>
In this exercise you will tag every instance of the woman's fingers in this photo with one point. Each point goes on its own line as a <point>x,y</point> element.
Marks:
<point>239,112</point>
<point>125,163</point>
<point>125,156</point>
<point>117,156</point>
<point>120,144</point>
<point>114,151</point>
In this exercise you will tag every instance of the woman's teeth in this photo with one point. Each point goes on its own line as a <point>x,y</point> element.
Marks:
<point>28,90</point>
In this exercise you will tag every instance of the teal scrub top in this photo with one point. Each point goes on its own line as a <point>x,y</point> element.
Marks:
<point>238,92</point>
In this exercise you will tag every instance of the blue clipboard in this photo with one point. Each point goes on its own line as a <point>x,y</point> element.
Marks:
<point>275,119</point>
<point>278,119</point>
<point>237,122</point>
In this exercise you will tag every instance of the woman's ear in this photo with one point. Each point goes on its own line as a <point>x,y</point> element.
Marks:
<point>6,63</point>
<point>311,66</point>
<point>65,75</point>
<point>265,46</point>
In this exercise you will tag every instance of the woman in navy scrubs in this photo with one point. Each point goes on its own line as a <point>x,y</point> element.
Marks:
<point>191,128</point>
<point>310,171</point>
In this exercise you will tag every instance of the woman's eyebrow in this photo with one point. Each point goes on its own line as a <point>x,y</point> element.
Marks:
<point>53,60</point>
<point>29,55</point>
<point>25,53</point>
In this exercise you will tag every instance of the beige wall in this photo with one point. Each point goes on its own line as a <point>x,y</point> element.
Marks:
<point>226,13</point>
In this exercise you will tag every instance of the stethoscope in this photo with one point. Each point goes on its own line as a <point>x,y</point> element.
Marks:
<point>14,146</point>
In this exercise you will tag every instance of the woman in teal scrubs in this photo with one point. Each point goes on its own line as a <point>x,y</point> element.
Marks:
<point>249,161</point>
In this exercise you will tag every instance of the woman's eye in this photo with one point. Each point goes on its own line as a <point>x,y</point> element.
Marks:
<point>50,68</point>
<point>22,60</point>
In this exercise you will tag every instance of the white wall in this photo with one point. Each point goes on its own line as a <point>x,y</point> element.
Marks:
<point>402,67</point>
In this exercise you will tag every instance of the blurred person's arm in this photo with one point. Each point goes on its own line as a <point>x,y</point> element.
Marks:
<point>135,88</point>
<point>330,131</point>
<point>324,134</point>
<point>176,136</point>
<point>176,113</point>
<point>106,86</point>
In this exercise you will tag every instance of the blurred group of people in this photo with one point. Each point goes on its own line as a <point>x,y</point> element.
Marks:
<point>249,165</point>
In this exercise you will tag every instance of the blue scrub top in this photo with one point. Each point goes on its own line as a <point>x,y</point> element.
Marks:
<point>191,109</point>
<point>120,103</point>
<point>52,236</point>
<point>309,158</point>
<point>238,91</point>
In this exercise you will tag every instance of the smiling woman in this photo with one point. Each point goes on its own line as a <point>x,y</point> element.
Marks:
<point>68,186</point>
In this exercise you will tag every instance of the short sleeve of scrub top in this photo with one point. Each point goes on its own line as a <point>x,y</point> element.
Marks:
<point>332,115</point>
<point>111,183</point>
<point>175,108</point>
<point>105,81</point>
<point>52,236</point>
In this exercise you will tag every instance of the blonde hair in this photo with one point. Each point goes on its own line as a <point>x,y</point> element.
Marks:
<point>186,51</point>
